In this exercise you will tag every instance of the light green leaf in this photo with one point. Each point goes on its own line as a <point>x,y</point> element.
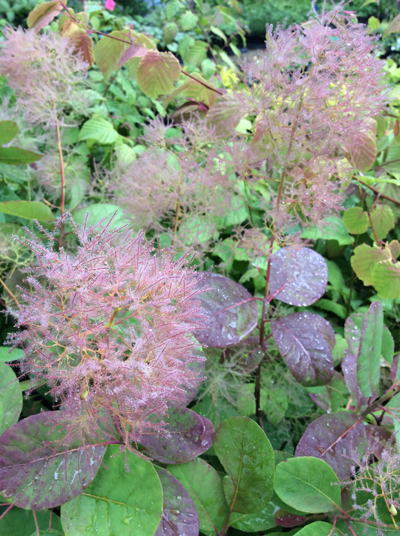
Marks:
<point>356,220</point>
<point>108,52</point>
<point>369,353</point>
<point>169,31</point>
<point>20,522</point>
<point>318,528</point>
<point>364,260</point>
<point>100,130</point>
<point>188,21</point>
<point>205,488</point>
<point>197,53</point>
<point>307,484</point>
<point>117,502</point>
<point>43,14</point>
<point>10,397</point>
<point>157,73</point>
<point>387,349</point>
<point>386,279</point>
<point>217,31</point>
<point>334,230</point>
<point>332,307</point>
<point>6,356</point>
<point>248,458</point>
<point>102,211</point>
<point>8,131</point>
<point>382,220</point>
<point>13,156</point>
<point>30,210</point>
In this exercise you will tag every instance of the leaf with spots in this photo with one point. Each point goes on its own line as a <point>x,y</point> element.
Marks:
<point>247,456</point>
<point>230,309</point>
<point>298,277</point>
<point>117,501</point>
<point>38,470</point>
<point>336,438</point>
<point>189,435</point>
<point>179,512</point>
<point>305,341</point>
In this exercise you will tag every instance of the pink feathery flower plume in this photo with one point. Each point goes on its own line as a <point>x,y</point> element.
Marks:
<point>109,329</point>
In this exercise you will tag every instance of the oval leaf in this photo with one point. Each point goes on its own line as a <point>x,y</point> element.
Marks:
<point>43,14</point>
<point>8,131</point>
<point>10,397</point>
<point>386,279</point>
<point>13,156</point>
<point>364,260</point>
<point>307,484</point>
<point>260,521</point>
<point>30,210</point>
<point>298,277</point>
<point>230,313</point>
<point>205,487</point>
<point>356,220</point>
<point>248,458</point>
<point>19,522</point>
<point>100,130</point>
<point>335,438</point>
<point>305,346</point>
<point>318,528</point>
<point>382,220</point>
<point>127,504</point>
<point>37,470</point>
<point>369,353</point>
<point>83,45</point>
<point>179,512</point>
<point>108,52</point>
<point>157,73</point>
<point>189,435</point>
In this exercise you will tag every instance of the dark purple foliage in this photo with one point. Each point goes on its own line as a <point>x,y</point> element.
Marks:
<point>179,513</point>
<point>338,439</point>
<point>230,309</point>
<point>305,342</point>
<point>189,435</point>
<point>38,470</point>
<point>378,437</point>
<point>298,277</point>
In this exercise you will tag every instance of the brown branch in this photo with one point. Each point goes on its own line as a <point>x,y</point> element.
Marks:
<point>378,192</point>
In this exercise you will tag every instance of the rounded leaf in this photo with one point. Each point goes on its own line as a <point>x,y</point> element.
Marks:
<point>189,435</point>
<point>10,397</point>
<point>179,512</point>
<point>38,470</point>
<point>305,342</point>
<point>30,210</point>
<point>364,260</point>
<point>318,528</point>
<point>127,504</point>
<point>157,73</point>
<point>356,220</point>
<point>382,220</point>
<point>205,487</point>
<point>335,438</point>
<point>248,458</point>
<point>307,484</point>
<point>386,279</point>
<point>8,131</point>
<point>298,277</point>
<point>230,310</point>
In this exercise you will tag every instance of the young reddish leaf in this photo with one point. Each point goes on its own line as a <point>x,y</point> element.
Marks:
<point>189,435</point>
<point>134,51</point>
<point>43,14</point>
<point>38,470</point>
<point>83,45</point>
<point>179,512</point>
<point>382,220</point>
<point>362,150</point>
<point>298,277</point>
<point>364,260</point>
<point>338,439</point>
<point>157,73</point>
<point>230,313</point>
<point>369,353</point>
<point>305,342</point>
<point>356,220</point>
<point>225,115</point>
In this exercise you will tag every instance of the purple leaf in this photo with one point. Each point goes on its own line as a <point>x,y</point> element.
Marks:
<point>305,342</point>
<point>179,513</point>
<point>298,277</point>
<point>338,439</point>
<point>349,368</point>
<point>197,367</point>
<point>134,51</point>
<point>230,309</point>
<point>378,437</point>
<point>287,520</point>
<point>38,470</point>
<point>189,435</point>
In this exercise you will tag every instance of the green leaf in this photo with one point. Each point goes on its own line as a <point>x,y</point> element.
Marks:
<point>43,14</point>
<point>387,350</point>
<point>332,307</point>
<point>356,220</point>
<point>20,522</point>
<point>188,21</point>
<point>8,131</point>
<point>157,73</point>
<point>197,53</point>
<point>117,502</point>
<point>198,92</point>
<point>102,211</point>
<point>13,156</point>
<point>215,30</point>
<point>6,356</point>
<point>10,397</point>
<point>307,484</point>
<point>318,528</point>
<point>260,521</point>
<point>108,52</point>
<point>248,458</point>
<point>100,130</point>
<point>216,413</point>
<point>30,210</point>
<point>369,353</point>
<point>173,8</point>
<point>382,220</point>
<point>49,533</point>
<point>169,31</point>
<point>386,279</point>
<point>333,230</point>
<point>205,488</point>
<point>365,259</point>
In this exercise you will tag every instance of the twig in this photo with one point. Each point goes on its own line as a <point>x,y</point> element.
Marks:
<point>9,291</point>
<point>378,192</point>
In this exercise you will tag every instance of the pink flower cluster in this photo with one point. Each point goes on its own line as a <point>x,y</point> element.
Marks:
<point>109,329</point>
